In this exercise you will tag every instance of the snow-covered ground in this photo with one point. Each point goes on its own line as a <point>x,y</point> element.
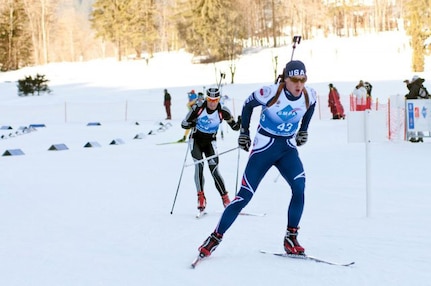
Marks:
<point>101,215</point>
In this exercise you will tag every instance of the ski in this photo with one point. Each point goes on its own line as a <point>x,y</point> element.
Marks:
<point>251,214</point>
<point>198,259</point>
<point>201,214</point>
<point>172,142</point>
<point>307,257</point>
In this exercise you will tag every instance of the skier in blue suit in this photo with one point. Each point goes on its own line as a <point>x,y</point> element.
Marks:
<point>287,109</point>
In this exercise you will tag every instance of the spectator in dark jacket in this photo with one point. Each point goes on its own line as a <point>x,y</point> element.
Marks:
<point>167,104</point>
<point>416,91</point>
<point>369,99</point>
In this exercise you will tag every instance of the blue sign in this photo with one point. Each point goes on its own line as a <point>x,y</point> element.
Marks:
<point>411,115</point>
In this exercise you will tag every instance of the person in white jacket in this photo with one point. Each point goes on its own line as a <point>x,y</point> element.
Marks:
<point>360,93</point>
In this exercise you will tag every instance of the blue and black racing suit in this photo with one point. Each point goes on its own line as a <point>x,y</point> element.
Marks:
<point>274,145</point>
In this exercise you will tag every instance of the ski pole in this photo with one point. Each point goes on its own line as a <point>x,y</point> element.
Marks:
<point>222,76</point>
<point>237,171</point>
<point>295,40</point>
<point>181,175</point>
<point>211,157</point>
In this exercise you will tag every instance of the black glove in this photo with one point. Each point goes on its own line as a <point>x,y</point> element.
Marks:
<point>301,138</point>
<point>244,141</point>
<point>236,125</point>
<point>187,125</point>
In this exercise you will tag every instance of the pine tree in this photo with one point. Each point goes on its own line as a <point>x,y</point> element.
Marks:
<point>211,28</point>
<point>29,85</point>
<point>127,23</point>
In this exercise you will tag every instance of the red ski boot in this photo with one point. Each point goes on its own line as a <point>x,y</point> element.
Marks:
<point>225,199</point>
<point>202,201</point>
<point>210,244</point>
<point>291,244</point>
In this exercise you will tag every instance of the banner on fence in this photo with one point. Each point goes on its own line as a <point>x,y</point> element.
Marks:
<point>418,115</point>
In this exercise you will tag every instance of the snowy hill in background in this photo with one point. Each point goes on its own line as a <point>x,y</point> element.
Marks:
<point>380,58</point>
<point>101,215</point>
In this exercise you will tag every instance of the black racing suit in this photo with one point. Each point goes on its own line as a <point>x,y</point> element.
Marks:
<point>203,138</point>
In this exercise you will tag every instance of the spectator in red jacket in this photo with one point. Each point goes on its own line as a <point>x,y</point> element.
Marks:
<point>334,103</point>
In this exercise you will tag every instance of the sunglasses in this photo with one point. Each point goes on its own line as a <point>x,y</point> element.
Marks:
<point>212,99</point>
<point>298,79</point>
